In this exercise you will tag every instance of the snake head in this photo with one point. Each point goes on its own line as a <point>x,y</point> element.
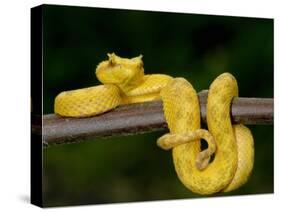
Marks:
<point>123,72</point>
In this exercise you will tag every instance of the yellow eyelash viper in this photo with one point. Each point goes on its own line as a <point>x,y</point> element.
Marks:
<point>232,146</point>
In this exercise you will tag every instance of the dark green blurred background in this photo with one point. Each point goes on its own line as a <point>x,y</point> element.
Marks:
<point>197,47</point>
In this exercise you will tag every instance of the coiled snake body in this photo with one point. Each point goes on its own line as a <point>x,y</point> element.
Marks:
<point>231,146</point>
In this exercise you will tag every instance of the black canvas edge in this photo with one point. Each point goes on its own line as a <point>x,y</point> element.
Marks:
<point>36,162</point>
<point>156,11</point>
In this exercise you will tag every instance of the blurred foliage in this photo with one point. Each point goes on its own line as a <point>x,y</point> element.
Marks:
<point>197,47</point>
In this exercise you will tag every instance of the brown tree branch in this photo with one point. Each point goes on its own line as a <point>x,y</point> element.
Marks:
<point>140,118</point>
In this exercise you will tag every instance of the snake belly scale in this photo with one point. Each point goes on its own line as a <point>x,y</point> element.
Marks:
<point>230,146</point>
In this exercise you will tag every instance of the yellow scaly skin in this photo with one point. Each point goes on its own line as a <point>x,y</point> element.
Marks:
<point>232,145</point>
